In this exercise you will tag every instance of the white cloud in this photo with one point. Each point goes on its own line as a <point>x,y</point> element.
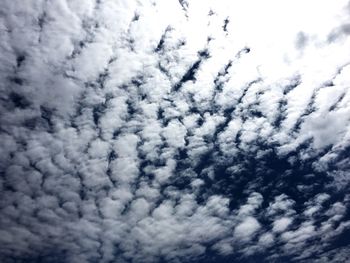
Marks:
<point>247,228</point>
<point>281,224</point>
<point>122,140</point>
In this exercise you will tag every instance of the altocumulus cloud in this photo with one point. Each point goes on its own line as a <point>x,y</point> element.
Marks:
<point>174,131</point>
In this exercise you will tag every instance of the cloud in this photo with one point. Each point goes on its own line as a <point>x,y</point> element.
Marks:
<point>281,224</point>
<point>247,228</point>
<point>172,132</point>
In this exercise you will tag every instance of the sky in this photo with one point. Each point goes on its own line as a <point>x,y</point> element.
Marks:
<point>176,131</point>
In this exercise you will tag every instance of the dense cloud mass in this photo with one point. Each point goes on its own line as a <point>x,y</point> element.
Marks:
<point>174,131</point>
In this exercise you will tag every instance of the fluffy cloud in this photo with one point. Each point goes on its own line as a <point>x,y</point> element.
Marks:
<point>174,132</point>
